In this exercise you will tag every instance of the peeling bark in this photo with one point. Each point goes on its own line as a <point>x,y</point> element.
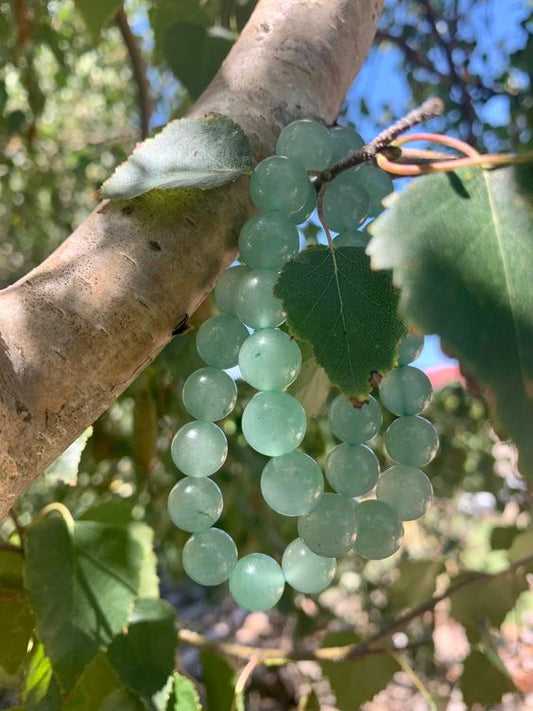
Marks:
<point>81,326</point>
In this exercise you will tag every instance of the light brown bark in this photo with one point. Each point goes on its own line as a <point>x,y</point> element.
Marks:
<point>80,327</point>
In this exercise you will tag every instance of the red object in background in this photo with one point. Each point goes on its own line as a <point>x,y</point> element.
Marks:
<point>444,375</point>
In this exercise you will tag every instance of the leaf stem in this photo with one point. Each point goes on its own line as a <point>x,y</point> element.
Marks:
<point>447,166</point>
<point>442,139</point>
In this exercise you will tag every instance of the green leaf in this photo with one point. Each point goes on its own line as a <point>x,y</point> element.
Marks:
<point>122,700</point>
<point>416,582</point>
<point>98,681</point>
<point>16,618</point>
<point>197,153</point>
<point>82,579</point>
<point>65,467</point>
<point>345,311</point>
<point>486,603</point>
<point>195,53</point>
<point>184,696</point>
<point>502,537</point>
<point>118,513</point>
<point>219,680</point>
<point>166,13</point>
<point>357,680</point>
<point>522,547</point>
<point>312,386</point>
<point>144,654</point>
<point>460,249</point>
<point>39,689</point>
<point>97,13</point>
<point>484,682</point>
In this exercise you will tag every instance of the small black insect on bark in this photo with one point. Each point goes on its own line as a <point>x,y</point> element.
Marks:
<point>182,326</point>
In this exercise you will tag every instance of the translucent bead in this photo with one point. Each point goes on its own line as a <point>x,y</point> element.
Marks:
<point>410,348</point>
<point>209,557</point>
<point>411,440</point>
<point>346,202</point>
<point>352,470</point>
<point>273,423</point>
<point>255,301</point>
<point>199,448</point>
<point>227,286</point>
<point>377,184</point>
<point>305,212</point>
<point>352,238</point>
<point>270,359</point>
<point>306,571</point>
<point>268,240</point>
<point>306,142</point>
<point>257,582</point>
<point>292,484</point>
<point>329,529</point>
<point>219,339</point>
<point>379,530</point>
<point>406,489</point>
<point>344,139</point>
<point>209,394</point>
<point>354,425</point>
<point>194,504</point>
<point>279,183</point>
<point>405,391</point>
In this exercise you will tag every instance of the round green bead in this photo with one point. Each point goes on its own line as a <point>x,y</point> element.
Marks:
<point>306,571</point>
<point>227,286</point>
<point>354,425</point>
<point>410,348</point>
<point>352,470</point>
<point>292,484</point>
<point>344,139</point>
<point>270,359</point>
<point>352,238</point>
<point>407,490</point>
<point>199,448</point>
<point>329,529</point>
<point>307,210</point>
<point>209,394</point>
<point>411,440</point>
<point>219,339</point>
<point>268,240</point>
<point>209,557</point>
<point>405,391</point>
<point>281,184</point>
<point>306,142</point>
<point>377,184</point>
<point>255,302</point>
<point>273,423</point>
<point>257,582</point>
<point>379,530</point>
<point>194,504</point>
<point>346,202</point>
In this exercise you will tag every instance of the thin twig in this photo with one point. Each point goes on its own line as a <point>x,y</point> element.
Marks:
<point>139,71</point>
<point>412,55</point>
<point>346,652</point>
<point>429,109</point>
<point>468,107</point>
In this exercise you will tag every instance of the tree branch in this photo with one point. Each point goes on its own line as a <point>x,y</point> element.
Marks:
<point>416,58</point>
<point>467,105</point>
<point>349,651</point>
<point>80,327</point>
<point>139,71</point>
